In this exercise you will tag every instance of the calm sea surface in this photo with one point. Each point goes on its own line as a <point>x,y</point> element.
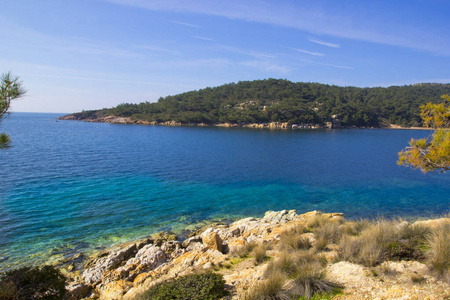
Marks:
<point>68,186</point>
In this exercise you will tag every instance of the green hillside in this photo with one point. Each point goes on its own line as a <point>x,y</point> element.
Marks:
<point>277,100</point>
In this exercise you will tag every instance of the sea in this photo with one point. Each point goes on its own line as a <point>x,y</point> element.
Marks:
<point>70,187</point>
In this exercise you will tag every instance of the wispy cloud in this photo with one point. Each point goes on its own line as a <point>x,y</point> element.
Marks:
<point>361,23</point>
<point>24,38</point>
<point>158,49</point>
<point>327,64</point>
<point>335,66</point>
<point>266,66</point>
<point>325,43</point>
<point>203,38</point>
<point>185,24</point>
<point>307,52</point>
<point>246,52</point>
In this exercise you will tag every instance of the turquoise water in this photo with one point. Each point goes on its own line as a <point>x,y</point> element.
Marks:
<point>68,187</point>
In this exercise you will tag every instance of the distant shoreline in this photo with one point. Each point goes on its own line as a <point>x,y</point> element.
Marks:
<point>271,125</point>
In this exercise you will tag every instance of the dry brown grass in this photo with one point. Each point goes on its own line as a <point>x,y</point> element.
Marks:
<point>284,263</point>
<point>259,253</point>
<point>309,279</point>
<point>383,240</point>
<point>243,251</point>
<point>329,233</point>
<point>269,289</point>
<point>439,253</point>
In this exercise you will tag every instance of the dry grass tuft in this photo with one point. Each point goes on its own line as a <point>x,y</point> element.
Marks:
<point>328,233</point>
<point>293,240</point>
<point>439,254</point>
<point>259,253</point>
<point>269,289</point>
<point>243,251</point>
<point>383,240</point>
<point>285,263</point>
<point>309,280</point>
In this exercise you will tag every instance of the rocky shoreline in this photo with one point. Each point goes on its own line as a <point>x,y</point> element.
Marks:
<point>268,125</point>
<point>128,270</point>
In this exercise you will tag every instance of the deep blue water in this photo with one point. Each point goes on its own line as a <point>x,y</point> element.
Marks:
<point>76,186</point>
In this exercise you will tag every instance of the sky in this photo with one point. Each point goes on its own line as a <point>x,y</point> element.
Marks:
<point>74,55</point>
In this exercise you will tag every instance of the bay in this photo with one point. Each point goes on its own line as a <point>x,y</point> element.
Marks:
<point>71,186</point>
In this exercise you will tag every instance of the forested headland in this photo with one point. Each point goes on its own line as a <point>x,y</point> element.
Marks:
<point>278,100</point>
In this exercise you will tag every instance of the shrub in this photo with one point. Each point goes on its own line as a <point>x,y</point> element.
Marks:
<point>32,283</point>
<point>206,286</point>
<point>403,250</point>
<point>439,254</point>
<point>417,233</point>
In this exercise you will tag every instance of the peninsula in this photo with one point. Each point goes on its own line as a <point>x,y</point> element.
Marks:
<point>278,103</point>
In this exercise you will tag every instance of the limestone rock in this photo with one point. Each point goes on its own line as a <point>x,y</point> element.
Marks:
<point>76,291</point>
<point>96,267</point>
<point>170,246</point>
<point>194,239</point>
<point>161,237</point>
<point>149,256</point>
<point>115,290</point>
<point>213,241</point>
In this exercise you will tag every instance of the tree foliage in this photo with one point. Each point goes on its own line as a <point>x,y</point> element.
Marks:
<point>10,88</point>
<point>432,153</point>
<point>278,100</point>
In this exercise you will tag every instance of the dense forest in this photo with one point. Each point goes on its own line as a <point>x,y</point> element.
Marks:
<point>277,100</point>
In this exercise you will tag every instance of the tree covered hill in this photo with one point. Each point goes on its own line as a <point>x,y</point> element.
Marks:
<point>277,100</point>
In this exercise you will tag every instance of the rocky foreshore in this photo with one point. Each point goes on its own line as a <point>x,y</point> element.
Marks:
<point>128,270</point>
<point>128,120</point>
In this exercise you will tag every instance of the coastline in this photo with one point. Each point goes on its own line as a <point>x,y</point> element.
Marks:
<point>127,270</point>
<point>269,125</point>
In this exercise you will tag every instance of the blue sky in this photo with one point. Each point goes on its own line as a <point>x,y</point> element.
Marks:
<point>90,54</point>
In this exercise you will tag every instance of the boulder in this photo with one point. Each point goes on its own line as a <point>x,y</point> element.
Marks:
<point>76,291</point>
<point>115,290</point>
<point>150,256</point>
<point>213,241</point>
<point>105,261</point>
<point>170,246</point>
<point>194,239</point>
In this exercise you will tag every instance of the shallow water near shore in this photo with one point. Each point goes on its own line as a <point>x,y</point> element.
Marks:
<point>70,187</point>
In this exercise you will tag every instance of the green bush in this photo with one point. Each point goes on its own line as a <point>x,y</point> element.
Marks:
<point>206,286</point>
<point>32,283</point>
